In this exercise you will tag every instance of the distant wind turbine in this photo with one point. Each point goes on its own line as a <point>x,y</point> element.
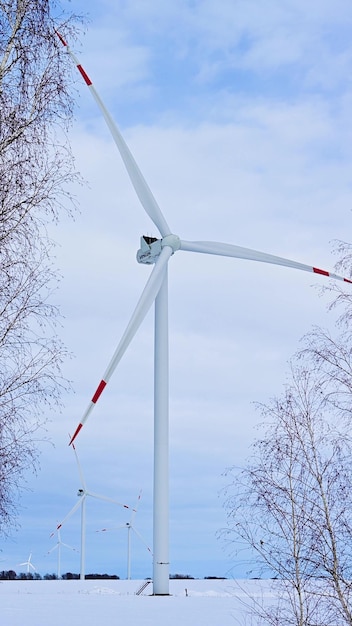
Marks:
<point>28,564</point>
<point>130,528</point>
<point>83,493</point>
<point>57,547</point>
<point>158,252</point>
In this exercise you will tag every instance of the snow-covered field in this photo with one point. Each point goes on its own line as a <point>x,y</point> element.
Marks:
<point>111,602</point>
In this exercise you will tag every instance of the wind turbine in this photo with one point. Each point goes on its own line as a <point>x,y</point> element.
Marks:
<point>29,564</point>
<point>158,252</point>
<point>57,547</point>
<point>83,493</point>
<point>130,528</point>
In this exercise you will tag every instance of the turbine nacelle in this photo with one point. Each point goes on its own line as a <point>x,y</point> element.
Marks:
<point>151,248</point>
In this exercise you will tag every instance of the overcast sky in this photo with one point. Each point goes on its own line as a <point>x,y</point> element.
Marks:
<point>238,114</point>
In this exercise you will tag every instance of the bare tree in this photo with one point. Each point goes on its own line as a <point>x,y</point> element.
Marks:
<point>36,169</point>
<point>291,505</point>
<point>331,359</point>
<point>341,296</point>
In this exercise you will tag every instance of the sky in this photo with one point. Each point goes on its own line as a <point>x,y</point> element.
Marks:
<point>238,114</point>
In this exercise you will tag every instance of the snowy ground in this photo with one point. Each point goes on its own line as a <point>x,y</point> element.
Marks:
<point>191,603</point>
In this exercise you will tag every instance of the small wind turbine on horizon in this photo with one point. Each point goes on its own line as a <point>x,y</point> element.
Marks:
<point>57,547</point>
<point>158,252</point>
<point>28,564</point>
<point>82,494</point>
<point>130,528</point>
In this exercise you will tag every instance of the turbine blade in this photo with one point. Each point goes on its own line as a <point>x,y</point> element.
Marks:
<point>141,539</point>
<point>107,499</point>
<point>229,250</point>
<point>135,508</point>
<point>108,530</point>
<point>81,475</point>
<point>146,300</point>
<point>137,179</point>
<point>73,510</point>
<point>67,546</point>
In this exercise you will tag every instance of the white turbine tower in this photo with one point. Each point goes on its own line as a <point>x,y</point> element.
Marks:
<point>59,544</point>
<point>129,526</point>
<point>158,252</point>
<point>83,493</point>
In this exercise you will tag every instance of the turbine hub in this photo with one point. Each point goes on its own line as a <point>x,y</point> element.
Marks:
<point>151,247</point>
<point>173,241</point>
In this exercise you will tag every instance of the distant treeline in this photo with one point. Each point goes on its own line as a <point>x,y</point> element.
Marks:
<point>11,575</point>
<point>188,577</point>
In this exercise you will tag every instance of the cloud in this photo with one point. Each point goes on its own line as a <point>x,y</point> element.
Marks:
<point>308,42</point>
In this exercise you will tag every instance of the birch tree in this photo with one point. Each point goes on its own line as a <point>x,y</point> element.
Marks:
<point>291,506</point>
<point>36,169</point>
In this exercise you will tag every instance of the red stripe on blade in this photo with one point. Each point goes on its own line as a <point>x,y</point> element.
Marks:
<point>76,433</point>
<point>61,38</point>
<point>347,280</point>
<point>316,270</point>
<point>99,391</point>
<point>85,75</point>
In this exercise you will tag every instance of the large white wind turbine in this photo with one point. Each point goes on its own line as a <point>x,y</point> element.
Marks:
<point>158,252</point>
<point>82,494</point>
